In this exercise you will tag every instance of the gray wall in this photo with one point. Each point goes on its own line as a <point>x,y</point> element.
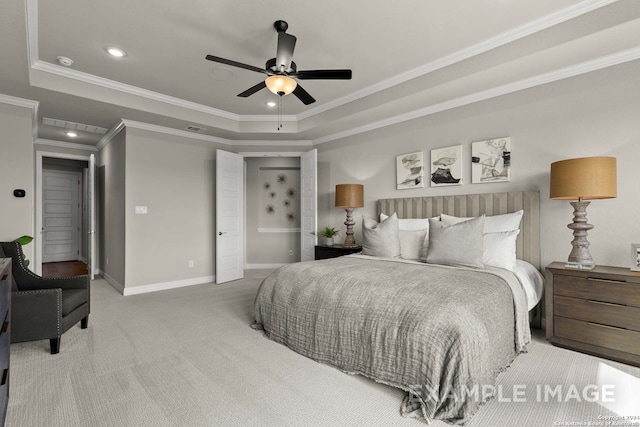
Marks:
<point>110,178</point>
<point>271,248</point>
<point>592,115</point>
<point>17,172</point>
<point>175,178</point>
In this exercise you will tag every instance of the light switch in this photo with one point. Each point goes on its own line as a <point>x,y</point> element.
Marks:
<point>141,210</point>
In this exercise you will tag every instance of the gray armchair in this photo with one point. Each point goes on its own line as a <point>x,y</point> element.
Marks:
<point>44,308</point>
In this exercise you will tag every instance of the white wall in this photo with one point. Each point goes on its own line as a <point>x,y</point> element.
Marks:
<point>16,172</point>
<point>591,115</point>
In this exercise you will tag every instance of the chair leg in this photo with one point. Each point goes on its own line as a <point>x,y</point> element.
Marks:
<point>55,345</point>
<point>84,323</point>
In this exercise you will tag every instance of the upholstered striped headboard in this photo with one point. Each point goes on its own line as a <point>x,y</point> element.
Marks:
<point>528,243</point>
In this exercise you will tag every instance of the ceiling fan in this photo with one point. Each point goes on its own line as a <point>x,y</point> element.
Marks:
<point>282,72</point>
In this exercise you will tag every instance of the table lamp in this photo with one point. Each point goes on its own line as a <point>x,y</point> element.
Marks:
<point>582,179</point>
<point>349,197</point>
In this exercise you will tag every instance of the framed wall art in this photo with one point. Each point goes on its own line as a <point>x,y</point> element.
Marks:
<point>409,171</point>
<point>446,166</point>
<point>491,161</point>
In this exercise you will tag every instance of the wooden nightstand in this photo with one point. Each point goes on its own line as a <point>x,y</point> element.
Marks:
<point>594,311</point>
<point>324,252</point>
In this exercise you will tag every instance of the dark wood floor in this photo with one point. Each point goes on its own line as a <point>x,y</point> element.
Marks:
<point>64,269</point>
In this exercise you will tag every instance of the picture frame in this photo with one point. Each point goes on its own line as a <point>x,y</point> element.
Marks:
<point>491,161</point>
<point>446,166</point>
<point>635,257</point>
<point>410,171</point>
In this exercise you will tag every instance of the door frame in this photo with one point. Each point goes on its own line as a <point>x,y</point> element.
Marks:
<point>37,238</point>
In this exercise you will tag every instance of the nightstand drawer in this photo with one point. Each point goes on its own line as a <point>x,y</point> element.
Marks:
<point>599,335</point>
<point>605,313</point>
<point>597,289</point>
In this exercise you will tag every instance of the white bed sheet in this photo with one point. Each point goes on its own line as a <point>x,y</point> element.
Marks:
<point>532,282</point>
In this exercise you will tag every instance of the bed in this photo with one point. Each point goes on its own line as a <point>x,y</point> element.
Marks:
<point>440,332</point>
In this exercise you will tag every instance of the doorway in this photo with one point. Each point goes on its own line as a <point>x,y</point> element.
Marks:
<point>61,239</point>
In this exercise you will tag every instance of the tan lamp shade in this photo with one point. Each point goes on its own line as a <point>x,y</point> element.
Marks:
<point>349,196</point>
<point>585,178</point>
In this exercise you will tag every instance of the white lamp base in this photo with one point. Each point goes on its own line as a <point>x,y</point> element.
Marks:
<point>580,266</point>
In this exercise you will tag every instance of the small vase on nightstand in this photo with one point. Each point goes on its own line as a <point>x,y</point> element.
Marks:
<point>328,241</point>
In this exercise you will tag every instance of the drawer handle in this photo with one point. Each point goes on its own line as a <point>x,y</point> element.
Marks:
<point>607,326</point>
<point>606,303</point>
<point>593,279</point>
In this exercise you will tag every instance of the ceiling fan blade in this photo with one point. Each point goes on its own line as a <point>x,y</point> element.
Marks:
<point>236,64</point>
<point>284,54</point>
<point>303,95</point>
<point>323,75</point>
<point>253,89</point>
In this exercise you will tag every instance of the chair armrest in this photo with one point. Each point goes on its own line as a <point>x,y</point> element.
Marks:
<point>33,282</point>
<point>75,282</point>
<point>36,314</point>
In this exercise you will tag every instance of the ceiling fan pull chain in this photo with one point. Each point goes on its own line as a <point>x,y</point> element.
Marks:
<point>279,112</point>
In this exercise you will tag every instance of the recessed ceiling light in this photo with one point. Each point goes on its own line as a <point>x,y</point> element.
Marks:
<point>114,51</point>
<point>271,104</point>
<point>71,134</point>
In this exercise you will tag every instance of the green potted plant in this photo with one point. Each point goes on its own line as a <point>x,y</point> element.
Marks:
<point>24,240</point>
<point>328,233</point>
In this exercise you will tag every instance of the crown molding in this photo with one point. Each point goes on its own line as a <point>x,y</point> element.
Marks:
<point>525,30</point>
<point>24,103</point>
<point>464,54</point>
<point>106,139</point>
<point>545,78</point>
<point>18,102</point>
<point>130,89</point>
<point>272,143</point>
<point>175,132</point>
<point>64,144</point>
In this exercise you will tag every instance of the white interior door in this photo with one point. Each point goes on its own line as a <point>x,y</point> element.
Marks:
<point>229,216</point>
<point>309,186</point>
<point>61,216</point>
<point>91,203</point>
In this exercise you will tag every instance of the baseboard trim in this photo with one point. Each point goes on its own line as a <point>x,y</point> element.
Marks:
<point>113,282</point>
<point>155,287</point>
<point>262,266</point>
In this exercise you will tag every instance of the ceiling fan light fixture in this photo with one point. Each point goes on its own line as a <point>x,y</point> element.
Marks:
<point>281,85</point>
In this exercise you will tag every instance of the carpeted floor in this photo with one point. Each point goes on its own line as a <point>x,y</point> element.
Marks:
<point>187,357</point>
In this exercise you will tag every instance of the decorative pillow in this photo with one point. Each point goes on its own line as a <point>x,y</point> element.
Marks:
<point>381,238</point>
<point>414,237</point>
<point>459,245</point>
<point>413,243</point>
<point>500,249</point>
<point>492,224</point>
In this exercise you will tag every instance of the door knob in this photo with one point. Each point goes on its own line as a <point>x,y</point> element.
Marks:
<point>220,233</point>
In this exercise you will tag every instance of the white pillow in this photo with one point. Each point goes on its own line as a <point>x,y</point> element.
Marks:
<point>500,249</point>
<point>492,224</point>
<point>413,243</point>
<point>414,237</point>
<point>460,244</point>
<point>381,238</point>
<point>410,223</point>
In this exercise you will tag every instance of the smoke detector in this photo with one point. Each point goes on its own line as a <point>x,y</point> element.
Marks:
<point>63,60</point>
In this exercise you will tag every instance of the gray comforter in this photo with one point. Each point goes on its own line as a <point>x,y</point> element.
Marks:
<point>439,333</point>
